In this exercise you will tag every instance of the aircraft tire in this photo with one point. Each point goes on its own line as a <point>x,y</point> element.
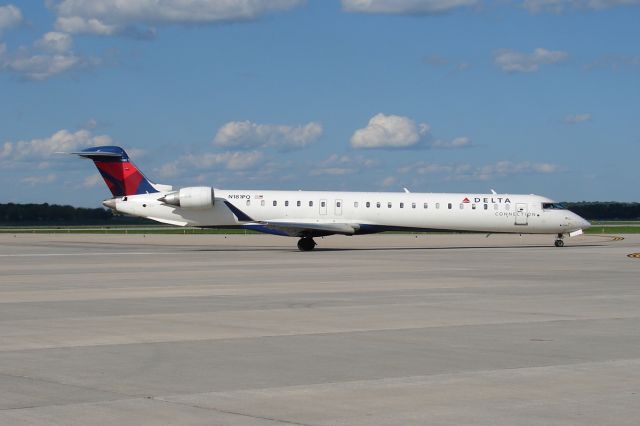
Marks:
<point>306,244</point>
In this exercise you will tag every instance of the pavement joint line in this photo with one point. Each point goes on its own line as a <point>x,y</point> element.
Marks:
<point>151,398</point>
<point>322,333</point>
<point>415,377</point>
<point>119,395</point>
<point>219,410</point>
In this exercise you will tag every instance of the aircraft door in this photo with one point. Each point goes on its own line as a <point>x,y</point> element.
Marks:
<point>522,209</point>
<point>323,207</point>
<point>338,207</point>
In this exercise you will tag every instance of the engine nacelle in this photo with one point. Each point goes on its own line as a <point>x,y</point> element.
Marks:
<point>194,198</point>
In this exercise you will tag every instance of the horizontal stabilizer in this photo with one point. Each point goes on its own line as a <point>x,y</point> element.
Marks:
<point>103,153</point>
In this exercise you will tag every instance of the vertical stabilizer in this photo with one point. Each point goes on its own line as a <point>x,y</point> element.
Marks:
<point>121,175</point>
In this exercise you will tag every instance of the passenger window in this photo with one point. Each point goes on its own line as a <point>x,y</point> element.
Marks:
<point>322,204</point>
<point>338,204</point>
<point>378,204</point>
<point>389,205</point>
<point>298,203</point>
<point>355,204</point>
<point>310,203</point>
<point>368,204</point>
<point>248,202</point>
<point>495,207</point>
<point>437,205</point>
<point>507,206</point>
<point>486,206</point>
<point>449,206</point>
<point>402,205</point>
<point>413,205</point>
<point>262,203</point>
<point>286,203</point>
<point>426,205</point>
<point>461,206</point>
<point>275,203</point>
<point>473,206</point>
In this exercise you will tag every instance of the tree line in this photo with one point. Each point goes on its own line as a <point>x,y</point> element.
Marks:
<point>53,214</point>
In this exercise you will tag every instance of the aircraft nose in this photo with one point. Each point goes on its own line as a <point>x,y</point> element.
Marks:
<point>584,224</point>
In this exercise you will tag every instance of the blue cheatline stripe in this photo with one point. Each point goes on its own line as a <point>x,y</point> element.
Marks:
<point>266,230</point>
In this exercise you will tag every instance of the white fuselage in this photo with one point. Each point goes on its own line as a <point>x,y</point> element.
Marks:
<point>366,211</point>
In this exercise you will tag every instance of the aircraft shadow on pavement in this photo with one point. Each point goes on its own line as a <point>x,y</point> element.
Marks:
<point>330,249</point>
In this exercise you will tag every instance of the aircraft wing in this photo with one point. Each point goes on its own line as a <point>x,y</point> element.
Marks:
<point>295,228</point>
<point>303,229</point>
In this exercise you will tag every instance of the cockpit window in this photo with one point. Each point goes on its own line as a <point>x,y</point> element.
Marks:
<point>553,206</point>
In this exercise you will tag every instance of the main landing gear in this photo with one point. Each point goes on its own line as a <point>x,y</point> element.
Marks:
<point>306,244</point>
<point>559,241</point>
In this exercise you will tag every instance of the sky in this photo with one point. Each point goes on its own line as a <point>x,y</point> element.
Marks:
<point>535,96</point>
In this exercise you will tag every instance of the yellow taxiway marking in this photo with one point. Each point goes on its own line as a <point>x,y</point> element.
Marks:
<point>617,238</point>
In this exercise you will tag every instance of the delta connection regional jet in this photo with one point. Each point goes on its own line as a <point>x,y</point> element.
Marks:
<point>307,214</point>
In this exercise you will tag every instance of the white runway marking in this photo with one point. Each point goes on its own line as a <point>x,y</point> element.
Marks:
<point>86,254</point>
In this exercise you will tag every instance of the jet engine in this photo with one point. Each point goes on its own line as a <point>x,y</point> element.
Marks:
<point>193,198</point>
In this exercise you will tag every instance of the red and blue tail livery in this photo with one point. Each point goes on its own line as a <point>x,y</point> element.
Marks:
<point>121,175</point>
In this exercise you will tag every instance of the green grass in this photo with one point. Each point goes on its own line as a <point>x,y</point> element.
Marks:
<point>603,229</point>
<point>615,222</point>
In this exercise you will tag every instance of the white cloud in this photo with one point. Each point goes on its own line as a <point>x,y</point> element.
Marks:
<point>245,134</point>
<point>39,180</point>
<point>511,61</point>
<point>577,118</point>
<point>232,160</point>
<point>211,161</point>
<point>389,131</point>
<point>92,180</point>
<point>61,141</point>
<point>559,6</point>
<point>405,7</point>
<point>55,42</point>
<point>332,171</point>
<point>109,17</point>
<point>458,172</point>
<point>50,55</point>
<point>461,142</point>
<point>388,182</point>
<point>10,16</point>
<point>41,66</point>
<point>168,170</point>
<point>338,165</point>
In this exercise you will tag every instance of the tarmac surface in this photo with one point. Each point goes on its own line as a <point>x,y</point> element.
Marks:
<point>370,330</point>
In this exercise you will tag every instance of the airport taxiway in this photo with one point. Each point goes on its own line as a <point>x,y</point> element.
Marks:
<point>371,330</point>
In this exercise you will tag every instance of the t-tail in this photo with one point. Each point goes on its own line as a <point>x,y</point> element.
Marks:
<point>121,175</point>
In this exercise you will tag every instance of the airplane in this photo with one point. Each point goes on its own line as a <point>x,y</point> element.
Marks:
<point>310,214</point>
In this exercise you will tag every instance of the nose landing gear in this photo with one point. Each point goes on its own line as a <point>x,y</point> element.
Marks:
<point>306,244</point>
<point>559,241</point>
